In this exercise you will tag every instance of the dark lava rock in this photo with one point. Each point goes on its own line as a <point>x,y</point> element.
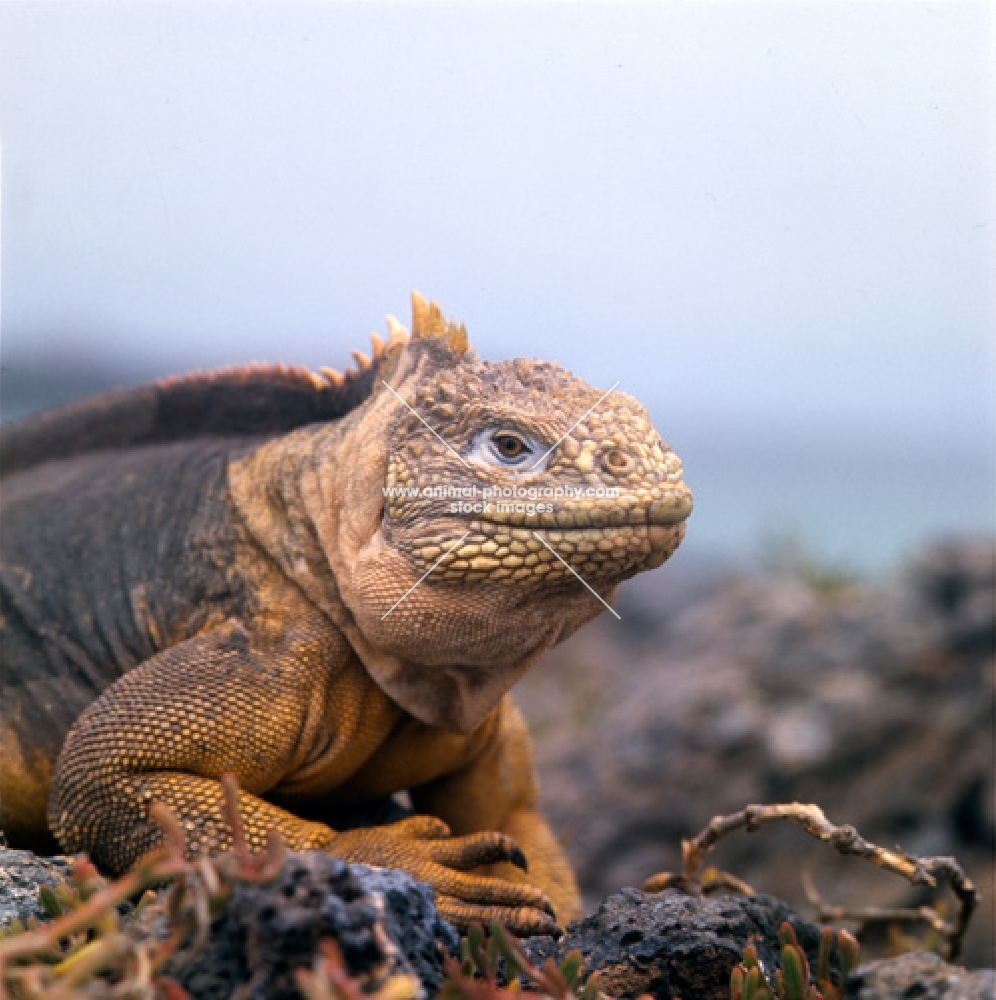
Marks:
<point>919,976</point>
<point>267,931</point>
<point>22,874</point>
<point>873,700</point>
<point>671,945</point>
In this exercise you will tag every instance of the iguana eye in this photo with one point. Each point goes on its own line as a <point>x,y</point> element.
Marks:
<point>509,447</point>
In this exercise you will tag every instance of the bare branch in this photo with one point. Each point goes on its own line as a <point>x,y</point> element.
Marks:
<point>845,840</point>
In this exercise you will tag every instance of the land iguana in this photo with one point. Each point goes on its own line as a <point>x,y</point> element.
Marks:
<point>264,571</point>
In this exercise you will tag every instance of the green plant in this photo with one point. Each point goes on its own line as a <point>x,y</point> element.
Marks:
<point>793,980</point>
<point>475,976</point>
<point>88,951</point>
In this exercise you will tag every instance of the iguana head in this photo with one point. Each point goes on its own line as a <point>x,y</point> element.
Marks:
<point>503,503</point>
<point>529,472</point>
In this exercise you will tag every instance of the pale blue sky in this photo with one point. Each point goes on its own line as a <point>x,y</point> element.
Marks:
<point>773,222</point>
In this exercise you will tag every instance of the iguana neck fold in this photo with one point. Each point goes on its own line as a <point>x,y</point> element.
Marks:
<point>313,502</point>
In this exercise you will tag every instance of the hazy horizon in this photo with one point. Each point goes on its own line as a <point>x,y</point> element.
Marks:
<point>772,223</point>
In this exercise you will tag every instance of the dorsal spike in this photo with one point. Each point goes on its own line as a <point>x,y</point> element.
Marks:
<point>420,316</point>
<point>437,321</point>
<point>377,344</point>
<point>397,331</point>
<point>334,378</point>
<point>456,338</point>
<point>362,361</point>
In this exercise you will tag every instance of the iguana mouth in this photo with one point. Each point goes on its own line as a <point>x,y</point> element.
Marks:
<point>596,542</point>
<point>670,509</point>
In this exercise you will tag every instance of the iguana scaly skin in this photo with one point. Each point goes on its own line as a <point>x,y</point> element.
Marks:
<point>244,572</point>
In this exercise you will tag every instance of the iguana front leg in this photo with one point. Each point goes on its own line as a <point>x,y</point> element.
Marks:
<point>498,790</point>
<point>169,728</point>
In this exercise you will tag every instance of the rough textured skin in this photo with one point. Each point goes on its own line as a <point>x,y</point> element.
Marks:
<point>189,587</point>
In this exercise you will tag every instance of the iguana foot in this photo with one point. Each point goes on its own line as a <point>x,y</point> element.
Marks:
<point>423,847</point>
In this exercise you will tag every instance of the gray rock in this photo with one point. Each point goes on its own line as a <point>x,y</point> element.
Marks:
<point>919,976</point>
<point>671,945</point>
<point>22,874</point>
<point>267,931</point>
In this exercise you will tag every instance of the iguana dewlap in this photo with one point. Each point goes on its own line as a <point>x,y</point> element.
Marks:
<point>222,573</point>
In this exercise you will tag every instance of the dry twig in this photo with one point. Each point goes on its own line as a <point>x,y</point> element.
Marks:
<point>846,840</point>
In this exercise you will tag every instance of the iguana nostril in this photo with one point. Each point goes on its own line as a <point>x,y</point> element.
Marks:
<point>617,461</point>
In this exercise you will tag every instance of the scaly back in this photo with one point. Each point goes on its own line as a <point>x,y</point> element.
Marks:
<point>253,400</point>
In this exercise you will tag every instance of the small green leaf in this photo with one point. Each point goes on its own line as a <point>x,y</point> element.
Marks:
<point>795,972</point>
<point>590,991</point>
<point>823,962</point>
<point>551,982</point>
<point>847,945</point>
<point>491,955</point>
<point>508,947</point>
<point>750,957</point>
<point>737,979</point>
<point>786,934</point>
<point>571,969</point>
<point>468,965</point>
<point>475,942</point>
<point>50,902</point>
<point>753,983</point>
<point>68,898</point>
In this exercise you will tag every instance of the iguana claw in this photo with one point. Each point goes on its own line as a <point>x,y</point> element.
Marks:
<point>423,846</point>
<point>522,921</point>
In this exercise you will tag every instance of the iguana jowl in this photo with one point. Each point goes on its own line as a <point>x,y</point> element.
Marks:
<point>204,576</point>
